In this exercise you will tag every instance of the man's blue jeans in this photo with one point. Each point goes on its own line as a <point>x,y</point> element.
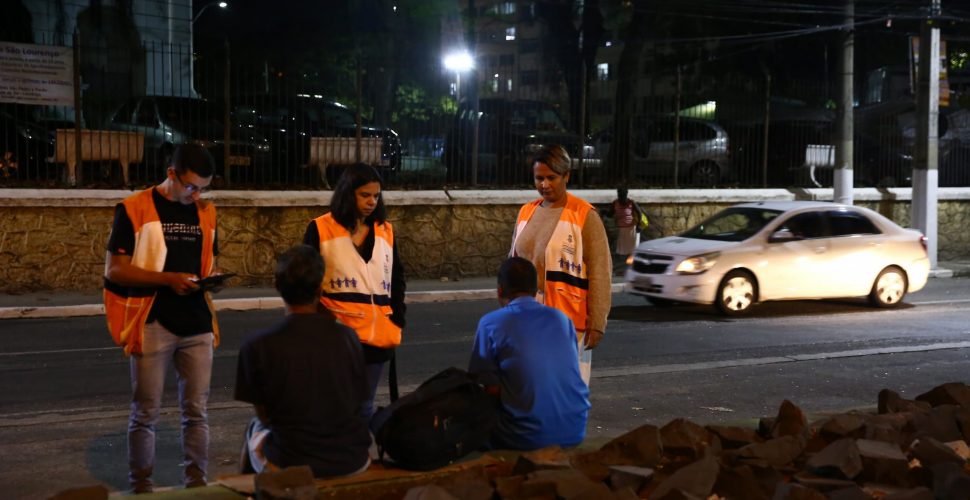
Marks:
<point>192,359</point>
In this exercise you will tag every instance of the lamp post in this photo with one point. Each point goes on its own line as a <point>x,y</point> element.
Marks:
<point>222,5</point>
<point>459,62</point>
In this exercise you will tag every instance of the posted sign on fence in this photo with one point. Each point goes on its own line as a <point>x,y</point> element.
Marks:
<point>36,74</point>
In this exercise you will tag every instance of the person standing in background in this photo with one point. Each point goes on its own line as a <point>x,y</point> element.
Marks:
<point>563,236</point>
<point>627,215</point>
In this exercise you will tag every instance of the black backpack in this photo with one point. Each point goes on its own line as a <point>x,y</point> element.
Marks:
<point>447,417</point>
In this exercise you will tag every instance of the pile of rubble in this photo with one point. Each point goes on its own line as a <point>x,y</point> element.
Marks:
<point>910,450</point>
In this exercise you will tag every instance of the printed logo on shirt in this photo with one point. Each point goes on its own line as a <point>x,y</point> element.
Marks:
<point>176,231</point>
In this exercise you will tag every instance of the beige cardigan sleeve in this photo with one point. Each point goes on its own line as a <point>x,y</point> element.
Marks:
<point>599,265</point>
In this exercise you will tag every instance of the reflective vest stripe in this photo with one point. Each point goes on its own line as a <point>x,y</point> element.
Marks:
<point>359,298</point>
<point>567,279</point>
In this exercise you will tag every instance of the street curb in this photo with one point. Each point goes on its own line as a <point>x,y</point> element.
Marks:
<point>247,304</point>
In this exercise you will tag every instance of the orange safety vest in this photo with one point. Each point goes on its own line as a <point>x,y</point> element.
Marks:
<point>358,293</point>
<point>127,308</point>
<point>567,285</point>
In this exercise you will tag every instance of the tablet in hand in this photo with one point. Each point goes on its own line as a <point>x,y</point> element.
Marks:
<point>213,281</point>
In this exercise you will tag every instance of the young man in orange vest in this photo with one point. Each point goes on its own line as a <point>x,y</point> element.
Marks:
<point>163,239</point>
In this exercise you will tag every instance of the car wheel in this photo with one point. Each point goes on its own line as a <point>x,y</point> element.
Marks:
<point>736,293</point>
<point>705,173</point>
<point>889,288</point>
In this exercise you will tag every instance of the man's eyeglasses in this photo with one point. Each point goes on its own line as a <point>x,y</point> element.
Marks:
<point>192,188</point>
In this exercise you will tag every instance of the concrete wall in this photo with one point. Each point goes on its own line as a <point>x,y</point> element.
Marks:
<point>55,239</point>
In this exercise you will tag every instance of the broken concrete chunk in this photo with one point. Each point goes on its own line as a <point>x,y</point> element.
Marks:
<point>790,491</point>
<point>848,493</point>
<point>892,402</point>
<point>950,481</point>
<point>628,476</point>
<point>741,482</point>
<point>568,483</point>
<point>641,446</point>
<point>843,425</point>
<point>931,452</point>
<point>684,438</point>
<point>774,452</point>
<point>940,423</point>
<point>734,437</point>
<point>840,459</point>
<point>960,448</point>
<point>472,484</point>
<point>883,462</point>
<point>953,393</point>
<point>920,493</point>
<point>510,486</point>
<point>820,483</point>
<point>696,479</point>
<point>598,491</point>
<point>790,421</point>
<point>552,457</point>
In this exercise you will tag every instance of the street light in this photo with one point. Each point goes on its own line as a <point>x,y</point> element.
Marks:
<point>458,62</point>
<point>222,5</point>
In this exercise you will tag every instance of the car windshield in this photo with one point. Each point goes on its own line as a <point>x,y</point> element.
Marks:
<point>732,224</point>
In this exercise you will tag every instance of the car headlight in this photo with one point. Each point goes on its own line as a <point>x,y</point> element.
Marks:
<point>533,148</point>
<point>698,263</point>
<point>204,143</point>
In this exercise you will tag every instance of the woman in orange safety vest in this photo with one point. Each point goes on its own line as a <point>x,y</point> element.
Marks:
<point>363,282</point>
<point>565,239</point>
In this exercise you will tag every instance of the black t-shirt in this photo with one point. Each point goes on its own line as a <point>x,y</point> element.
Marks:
<point>183,315</point>
<point>398,286</point>
<point>308,372</point>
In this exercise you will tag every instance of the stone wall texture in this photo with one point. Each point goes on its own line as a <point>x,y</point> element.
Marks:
<point>63,248</point>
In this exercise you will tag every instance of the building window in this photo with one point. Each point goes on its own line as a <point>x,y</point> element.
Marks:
<point>510,33</point>
<point>506,8</point>
<point>603,72</point>
<point>494,85</point>
<point>508,85</point>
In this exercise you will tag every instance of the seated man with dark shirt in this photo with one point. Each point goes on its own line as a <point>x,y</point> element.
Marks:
<point>306,378</point>
<point>529,350</point>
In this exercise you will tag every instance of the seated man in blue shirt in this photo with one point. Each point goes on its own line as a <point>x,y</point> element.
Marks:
<point>305,377</point>
<point>529,351</point>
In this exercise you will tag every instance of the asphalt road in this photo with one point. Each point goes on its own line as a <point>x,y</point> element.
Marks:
<point>64,387</point>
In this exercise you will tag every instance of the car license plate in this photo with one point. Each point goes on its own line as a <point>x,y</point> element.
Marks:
<point>242,161</point>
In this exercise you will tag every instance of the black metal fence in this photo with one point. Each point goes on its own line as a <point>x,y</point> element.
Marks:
<point>267,130</point>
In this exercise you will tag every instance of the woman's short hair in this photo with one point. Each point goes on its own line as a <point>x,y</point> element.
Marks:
<point>555,157</point>
<point>343,203</point>
<point>299,273</point>
<point>517,275</point>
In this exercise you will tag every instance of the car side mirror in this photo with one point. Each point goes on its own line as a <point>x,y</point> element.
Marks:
<point>782,235</point>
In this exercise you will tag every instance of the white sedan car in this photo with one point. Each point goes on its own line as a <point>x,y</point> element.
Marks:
<point>755,252</point>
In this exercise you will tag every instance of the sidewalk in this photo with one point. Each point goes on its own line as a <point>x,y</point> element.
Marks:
<point>70,304</point>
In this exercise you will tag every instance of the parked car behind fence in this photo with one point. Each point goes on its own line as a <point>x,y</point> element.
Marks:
<point>703,153</point>
<point>167,122</point>
<point>297,127</point>
<point>510,132</point>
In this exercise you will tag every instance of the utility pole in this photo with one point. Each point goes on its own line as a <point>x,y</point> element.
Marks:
<point>842,180</point>
<point>926,164</point>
